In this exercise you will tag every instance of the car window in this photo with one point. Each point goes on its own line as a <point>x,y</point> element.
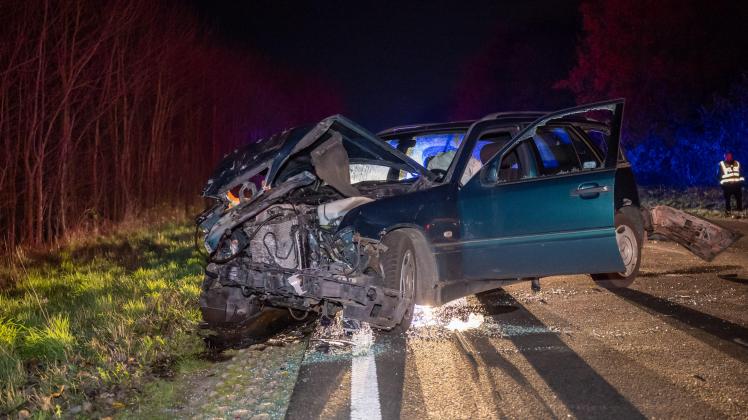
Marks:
<point>516,165</point>
<point>433,151</point>
<point>599,140</point>
<point>510,170</point>
<point>487,146</point>
<point>556,151</point>
<point>586,155</point>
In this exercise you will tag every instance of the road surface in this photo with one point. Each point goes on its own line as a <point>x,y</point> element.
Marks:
<point>675,345</point>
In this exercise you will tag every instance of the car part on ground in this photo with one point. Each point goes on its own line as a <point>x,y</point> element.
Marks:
<point>700,236</point>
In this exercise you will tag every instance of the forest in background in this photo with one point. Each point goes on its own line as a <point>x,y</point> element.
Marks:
<point>681,66</point>
<point>683,70</point>
<point>110,109</point>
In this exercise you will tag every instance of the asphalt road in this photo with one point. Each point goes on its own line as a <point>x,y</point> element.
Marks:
<point>675,345</point>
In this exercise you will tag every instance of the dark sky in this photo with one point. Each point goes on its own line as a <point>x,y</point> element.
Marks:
<point>393,62</point>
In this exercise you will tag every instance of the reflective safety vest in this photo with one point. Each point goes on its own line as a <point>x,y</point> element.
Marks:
<point>730,173</point>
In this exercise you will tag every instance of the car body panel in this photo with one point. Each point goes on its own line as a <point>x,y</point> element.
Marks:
<point>538,227</point>
<point>535,227</point>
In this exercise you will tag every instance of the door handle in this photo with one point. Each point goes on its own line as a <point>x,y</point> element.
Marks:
<point>590,190</point>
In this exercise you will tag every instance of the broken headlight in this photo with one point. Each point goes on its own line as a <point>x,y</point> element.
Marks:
<point>230,247</point>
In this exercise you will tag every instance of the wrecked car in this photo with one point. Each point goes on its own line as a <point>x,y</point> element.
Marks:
<point>332,217</point>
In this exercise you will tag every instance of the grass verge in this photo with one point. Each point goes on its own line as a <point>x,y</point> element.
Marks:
<point>701,201</point>
<point>85,327</point>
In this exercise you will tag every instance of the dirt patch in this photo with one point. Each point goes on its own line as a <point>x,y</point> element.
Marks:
<point>254,382</point>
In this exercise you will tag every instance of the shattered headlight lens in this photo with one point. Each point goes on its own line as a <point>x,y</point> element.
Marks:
<point>231,246</point>
<point>207,247</point>
<point>232,199</point>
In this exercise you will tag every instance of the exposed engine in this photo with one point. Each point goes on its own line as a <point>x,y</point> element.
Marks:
<point>293,256</point>
<point>301,236</point>
<point>280,236</point>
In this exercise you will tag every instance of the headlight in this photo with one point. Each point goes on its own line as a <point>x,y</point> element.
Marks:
<point>230,246</point>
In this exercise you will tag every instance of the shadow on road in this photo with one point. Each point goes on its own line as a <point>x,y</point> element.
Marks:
<point>317,389</point>
<point>391,373</point>
<point>734,278</point>
<point>716,332</point>
<point>690,270</point>
<point>488,355</point>
<point>323,389</point>
<point>584,392</point>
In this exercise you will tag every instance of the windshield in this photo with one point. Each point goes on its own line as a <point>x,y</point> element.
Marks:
<point>378,173</point>
<point>434,151</point>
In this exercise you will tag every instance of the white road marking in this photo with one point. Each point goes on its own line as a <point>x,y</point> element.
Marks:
<point>364,386</point>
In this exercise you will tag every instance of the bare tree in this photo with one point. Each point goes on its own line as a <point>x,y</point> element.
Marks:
<point>108,111</point>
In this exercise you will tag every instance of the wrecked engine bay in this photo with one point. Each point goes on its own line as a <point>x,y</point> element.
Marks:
<point>291,255</point>
<point>280,244</point>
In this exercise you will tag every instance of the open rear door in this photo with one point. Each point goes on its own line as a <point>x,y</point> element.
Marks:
<point>700,236</point>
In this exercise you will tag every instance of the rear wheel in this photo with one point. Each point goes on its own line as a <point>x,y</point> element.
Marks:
<point>629,237</point>
<point>400,272</point>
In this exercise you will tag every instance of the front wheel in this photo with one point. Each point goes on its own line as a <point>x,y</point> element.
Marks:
<point>629,236</point>
<point>400,272</point>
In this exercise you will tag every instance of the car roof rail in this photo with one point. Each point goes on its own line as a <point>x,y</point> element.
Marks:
<point>427,126</point>
<point>514,114</point>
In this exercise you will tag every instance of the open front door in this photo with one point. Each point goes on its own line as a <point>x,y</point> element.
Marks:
<point>544,203</point>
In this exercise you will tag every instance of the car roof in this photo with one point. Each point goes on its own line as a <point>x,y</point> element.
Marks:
<point>509,117</point>
<point>515,117</point>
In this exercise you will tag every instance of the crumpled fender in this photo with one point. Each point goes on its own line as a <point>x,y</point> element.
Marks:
<point>418,209</point>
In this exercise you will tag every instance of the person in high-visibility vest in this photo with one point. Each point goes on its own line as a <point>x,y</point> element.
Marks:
<point>732,182</point>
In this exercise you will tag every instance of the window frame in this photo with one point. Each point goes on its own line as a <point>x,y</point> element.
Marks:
<point>531,150</point>
<point>573,130</point>
<point>510,129</point>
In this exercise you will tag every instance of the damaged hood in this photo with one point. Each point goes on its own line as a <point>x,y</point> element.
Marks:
<point>266,156</point>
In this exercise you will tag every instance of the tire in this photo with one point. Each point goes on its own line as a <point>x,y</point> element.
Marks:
<point>629,236</point>
<point>400,270</point>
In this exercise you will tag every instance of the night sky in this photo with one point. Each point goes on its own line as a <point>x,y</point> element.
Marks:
<point>401,62</point>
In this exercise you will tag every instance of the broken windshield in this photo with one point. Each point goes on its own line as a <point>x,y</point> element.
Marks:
<point>433,151</point>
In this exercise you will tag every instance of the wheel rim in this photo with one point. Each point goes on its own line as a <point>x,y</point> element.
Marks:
<point>407,274</point>
<point>628,248</point>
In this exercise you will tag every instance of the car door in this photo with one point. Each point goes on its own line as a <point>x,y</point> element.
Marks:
<point>537,209</point>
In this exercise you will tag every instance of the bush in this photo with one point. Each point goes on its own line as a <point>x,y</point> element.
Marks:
<point>691,157</point>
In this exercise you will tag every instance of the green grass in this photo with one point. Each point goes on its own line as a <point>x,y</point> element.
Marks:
<point>160,396</point>
<point>94,321</point>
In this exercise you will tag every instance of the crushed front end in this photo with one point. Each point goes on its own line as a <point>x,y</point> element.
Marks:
<point>283,257</point>
<point>273,235</point>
